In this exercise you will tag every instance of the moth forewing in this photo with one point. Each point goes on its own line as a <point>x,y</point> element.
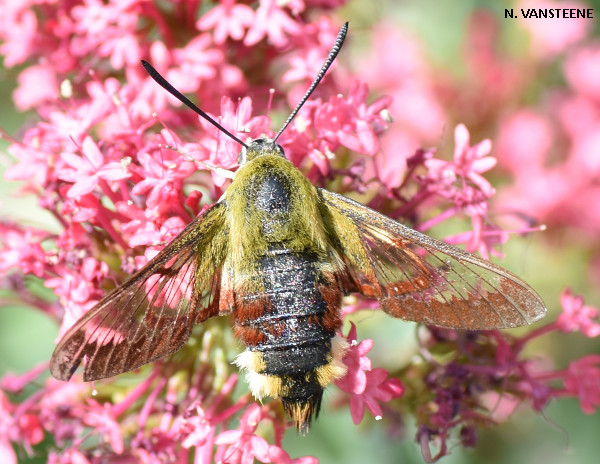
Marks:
<point>152,314</point>
<point>418,278</point>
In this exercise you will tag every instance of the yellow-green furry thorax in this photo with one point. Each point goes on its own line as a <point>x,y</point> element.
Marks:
<point>257,225</point>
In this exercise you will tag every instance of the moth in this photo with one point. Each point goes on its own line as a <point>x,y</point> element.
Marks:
<point>278,254</point>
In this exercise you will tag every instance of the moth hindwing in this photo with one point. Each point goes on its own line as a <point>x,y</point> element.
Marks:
<point>278,254</point>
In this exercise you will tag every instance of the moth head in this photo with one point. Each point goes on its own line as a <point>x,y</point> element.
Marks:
<point>259,147</point>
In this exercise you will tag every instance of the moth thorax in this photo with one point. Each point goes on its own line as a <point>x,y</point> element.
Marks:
<point>273,200</point>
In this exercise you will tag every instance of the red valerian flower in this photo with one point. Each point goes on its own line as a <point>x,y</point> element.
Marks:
<point>22,249</point>
<point>577,316</point>
<point>228,20</point>
<point>240,122</point>
<point>469,163</point>
<point>279,456</point>
<point>87,170</point>
<point>357,362</point>
<point>582,380</point>
<point>242,446</point>
<point>352,122</point>
<point>102,418</point>
<point>273,22</point>
<point>378,388</point>
<point>367,387</point>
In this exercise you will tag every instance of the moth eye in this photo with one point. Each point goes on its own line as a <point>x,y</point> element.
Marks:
<point>280,151</point>
<point>243,156</point>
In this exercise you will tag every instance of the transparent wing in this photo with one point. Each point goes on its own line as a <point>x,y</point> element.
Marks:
<point>152,314</point>
<point>418,278</point>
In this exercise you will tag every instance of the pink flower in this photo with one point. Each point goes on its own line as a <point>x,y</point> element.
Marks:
<point>240,122</point>
<point>228,20</point>
<point>21,249</point>
<point>582,380</point>
<point>81,209</point>
<point>279,456</point>
<point>378,388</point>
<point>483,238</point>
<point>37,85</point>
<point>8,429</point>
<point>461,182</point>
<point>416,108</point>
<point>531,193</point>
<point>30,429</point>
<point>580,69</point>
<point>68,456</point>
<point>244,445</point>
<point>578,116</point>
<point>108,104</point>
<point>18,34</point>
<point>88,170</point>
<point>109,28</point>
<point>366,387</point>
<point>7,453</point>
<point>273,22</point>
<point>469,163</point>
<point>196,62</point>
<point>357,362</point>
<point>162,172</point>
<point>305,67</point>
<point>390,163</point>
<point>472,161</point>
<point>16,383</point>
<point>31,166</point>
<point>577,316</point>
<point>200,429</point>
<point>17,426</point>
<point>525,140</point>
<point>79,285</point>
<point>142,228</point>
<point>352,122</point>
<point>313,47</point>
<point>103,418</point>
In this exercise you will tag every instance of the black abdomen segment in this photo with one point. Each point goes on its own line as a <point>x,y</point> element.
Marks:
<point>293,339</point>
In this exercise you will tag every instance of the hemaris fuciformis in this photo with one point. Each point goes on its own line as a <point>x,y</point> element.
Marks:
<point>278,254</point>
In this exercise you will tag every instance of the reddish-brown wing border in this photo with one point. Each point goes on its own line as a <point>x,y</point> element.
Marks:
<point>418,278</point>
<point>152,314</point>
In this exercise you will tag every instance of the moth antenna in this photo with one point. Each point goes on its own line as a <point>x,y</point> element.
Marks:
<point>154,74</point>
<point>332,54</point>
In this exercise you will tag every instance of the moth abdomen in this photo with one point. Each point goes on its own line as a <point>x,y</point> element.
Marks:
<point>294,308</point>
<point>289,349</point>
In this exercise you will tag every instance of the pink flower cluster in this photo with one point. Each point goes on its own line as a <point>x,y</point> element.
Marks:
<point>116,182</point>
<point>492,364</point>
<point>121,182</point>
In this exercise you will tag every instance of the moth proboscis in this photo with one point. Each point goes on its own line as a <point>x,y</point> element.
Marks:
<point>277,254</point>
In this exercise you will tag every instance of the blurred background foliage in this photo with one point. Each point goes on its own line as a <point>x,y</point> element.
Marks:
<point>549,261</point>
